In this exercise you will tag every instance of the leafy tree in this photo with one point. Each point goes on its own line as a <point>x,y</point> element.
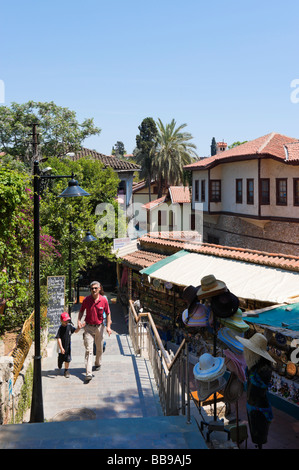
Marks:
<point>173,151</point>
<point>59,130</point>
<point>236,144</point>
<point>57,213</point>
<point>213,147</point>
<point>118,149</point>
<point>146,143</point>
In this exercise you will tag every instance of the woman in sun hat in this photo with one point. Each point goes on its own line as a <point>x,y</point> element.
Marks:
<point>258,374</point>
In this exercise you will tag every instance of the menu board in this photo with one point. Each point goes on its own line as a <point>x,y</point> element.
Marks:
<point>56,294</point>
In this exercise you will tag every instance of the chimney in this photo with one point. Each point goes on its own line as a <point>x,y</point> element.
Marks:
<point>221,147</point>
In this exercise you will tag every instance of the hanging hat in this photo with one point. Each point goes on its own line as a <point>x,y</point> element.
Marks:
<point>206,389</point>
<point>236,322</point>
<point>233,389</point>
<point>225,304</point>
<point>228,337</point>
<point>190,296</point>
<point>258,344</point>
<point>209,368</point>
<point>210,286</point>
<point>199,317</point>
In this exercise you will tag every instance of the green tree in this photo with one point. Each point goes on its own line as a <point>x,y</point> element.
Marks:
<point>173,151</point>
<point>57,213</point>
<point>236,144</point>
<point>146,143</point>
<point>59,130</point>
<point>118,149</point>
<point>213,147</point>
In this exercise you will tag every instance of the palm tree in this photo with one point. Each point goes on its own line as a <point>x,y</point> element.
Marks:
<point>173,151</point>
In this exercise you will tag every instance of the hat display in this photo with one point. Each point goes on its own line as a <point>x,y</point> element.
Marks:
<point>199,317</point>
<point>190,296</point>
<point>228,337</point>
<point>225,304</point>
<point>210,286</point>
<point>235,322</point>
<point>258,344</point>
<point>209,368</point>
<point>65,316</point>
<point>205,389</point>
<point>233,389</point>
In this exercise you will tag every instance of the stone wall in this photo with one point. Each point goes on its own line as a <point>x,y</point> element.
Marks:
<point>272,237</point>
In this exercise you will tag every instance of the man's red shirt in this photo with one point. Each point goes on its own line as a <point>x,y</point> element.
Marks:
<point>95,309</point>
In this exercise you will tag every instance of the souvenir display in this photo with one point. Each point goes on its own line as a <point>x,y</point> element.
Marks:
<point>210,286</point>
<point>233,389</point>
<point>235,322</point>
<point>199,317</point>
<point>230,339</point>
<point>209,368</point>
<point>225,305</point>
<point>258,374</point>
<point>206,389</point>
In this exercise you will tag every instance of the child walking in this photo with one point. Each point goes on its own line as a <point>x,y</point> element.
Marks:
<point>63,337</point>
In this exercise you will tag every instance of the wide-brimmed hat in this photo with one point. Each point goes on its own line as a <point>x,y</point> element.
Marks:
<point>233,389</point>
<point>225,305</point>
<point>190,296</point>
<point>228,337</point>
<point>235,322</point>
<point>198,318</point>
<point>206,389</point>
<point>209,368</point>
<point>210,286</point>
<point>258,344</point>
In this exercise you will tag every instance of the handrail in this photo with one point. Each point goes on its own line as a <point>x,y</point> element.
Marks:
<point>172,376</point>
<point>169,362</point>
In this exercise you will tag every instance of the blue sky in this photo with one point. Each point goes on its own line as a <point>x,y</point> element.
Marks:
<point>222,67</point>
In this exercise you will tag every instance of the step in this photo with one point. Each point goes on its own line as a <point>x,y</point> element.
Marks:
<point>161,432</point>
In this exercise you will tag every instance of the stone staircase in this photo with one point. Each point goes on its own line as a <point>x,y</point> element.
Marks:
<point>118,409</point>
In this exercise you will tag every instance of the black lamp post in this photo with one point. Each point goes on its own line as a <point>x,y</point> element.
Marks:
<point>87,238</point>
<point>73,190</point>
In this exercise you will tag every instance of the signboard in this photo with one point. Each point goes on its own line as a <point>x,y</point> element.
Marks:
<point>56,293</point>
<point>120,242</point>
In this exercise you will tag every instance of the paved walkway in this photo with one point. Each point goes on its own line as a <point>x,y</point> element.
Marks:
<point>118,409</point>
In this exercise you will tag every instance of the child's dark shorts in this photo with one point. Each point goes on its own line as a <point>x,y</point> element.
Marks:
<point>63,358</point>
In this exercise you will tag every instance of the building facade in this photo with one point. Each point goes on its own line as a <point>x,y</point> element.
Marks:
<point>250,195</point>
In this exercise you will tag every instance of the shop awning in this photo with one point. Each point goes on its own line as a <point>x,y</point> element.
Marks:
<point>245,280</point>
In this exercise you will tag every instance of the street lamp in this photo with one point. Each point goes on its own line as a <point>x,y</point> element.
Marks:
<point>73,190</point>
<point>87,238</point>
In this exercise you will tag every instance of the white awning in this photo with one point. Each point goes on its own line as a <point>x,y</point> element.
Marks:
<point>245,280</point>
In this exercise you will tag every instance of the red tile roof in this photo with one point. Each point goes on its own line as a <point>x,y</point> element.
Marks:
<point>108,160</point>
<point>163,241</point>
<point>179,194</point>
<point>273,144</point>
<point>142,259</point>
<point>155,203</point>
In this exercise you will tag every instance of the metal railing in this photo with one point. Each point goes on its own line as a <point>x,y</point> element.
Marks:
<point>171,375</point>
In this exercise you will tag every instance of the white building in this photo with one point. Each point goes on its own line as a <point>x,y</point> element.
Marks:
<point>250,194</point>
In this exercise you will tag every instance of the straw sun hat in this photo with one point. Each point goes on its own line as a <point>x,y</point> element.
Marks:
<point>258,344</point>
<point>210,286</point>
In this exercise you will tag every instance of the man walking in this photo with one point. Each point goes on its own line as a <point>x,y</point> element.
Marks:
<point>94,305</point>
